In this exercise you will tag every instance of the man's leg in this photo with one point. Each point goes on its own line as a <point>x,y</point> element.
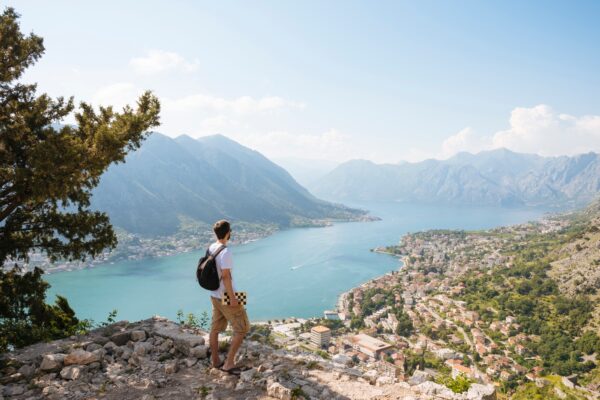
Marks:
<point>214,348</point>
<point>219,323</point>
<point>241,325</point>
<point>236,342</point>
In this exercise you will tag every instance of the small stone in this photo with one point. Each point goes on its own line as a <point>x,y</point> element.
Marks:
<point>170,367</point>
<point>94,365</point>
<point>71,373</point>
<point>138,336</point>
<point>248,375</point>
<point>190,362</point>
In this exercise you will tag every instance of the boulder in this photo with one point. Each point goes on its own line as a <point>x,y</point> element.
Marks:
<point>27,371</point>
<point>120,338</point>
<point>52,362</point>
<point>419,377</point>
<point>81,357</point>
<point>13,390</point>
<point>93,346</point>
<point>199,352</point>
<point>71,373</point>
<point>384,380</point>
<point>481,392</point>
<point>434,389</point>
<point>182,341</point>
<point>138,335</point>
<point>142,348</point>
<point>110,348</point>
<point>279,391</point>
<point>248,375</point>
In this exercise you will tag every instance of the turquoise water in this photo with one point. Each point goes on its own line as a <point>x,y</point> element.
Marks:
<point>297,272</point>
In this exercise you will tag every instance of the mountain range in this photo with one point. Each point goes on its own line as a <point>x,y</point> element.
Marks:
<point>204,179</point>
<point>495,177</point>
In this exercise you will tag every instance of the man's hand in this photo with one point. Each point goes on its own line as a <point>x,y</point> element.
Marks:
<point>229,288</point>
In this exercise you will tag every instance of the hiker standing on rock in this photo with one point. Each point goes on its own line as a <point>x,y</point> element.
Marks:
<point>234,313</point>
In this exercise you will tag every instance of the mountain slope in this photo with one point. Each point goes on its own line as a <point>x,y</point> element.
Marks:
<point>497,177</point>
<point>205,179</point>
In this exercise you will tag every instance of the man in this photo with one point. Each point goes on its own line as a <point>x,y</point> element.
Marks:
<point>234,313</point>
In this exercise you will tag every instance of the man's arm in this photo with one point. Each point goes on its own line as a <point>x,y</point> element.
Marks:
<point>229,287</point>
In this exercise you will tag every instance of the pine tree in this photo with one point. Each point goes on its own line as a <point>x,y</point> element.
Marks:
<point>47,174</point>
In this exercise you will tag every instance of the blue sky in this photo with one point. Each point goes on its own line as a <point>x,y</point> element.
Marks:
<point>385,81</point>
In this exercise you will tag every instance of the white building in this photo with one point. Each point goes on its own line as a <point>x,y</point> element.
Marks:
<point>320,335</point>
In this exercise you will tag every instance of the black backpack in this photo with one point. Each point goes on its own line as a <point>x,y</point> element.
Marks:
<point>206,272</point>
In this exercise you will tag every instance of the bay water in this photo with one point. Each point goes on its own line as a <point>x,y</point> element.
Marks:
<point>293,273</point>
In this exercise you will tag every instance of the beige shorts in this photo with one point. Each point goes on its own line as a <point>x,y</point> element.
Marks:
<point>236,316</point>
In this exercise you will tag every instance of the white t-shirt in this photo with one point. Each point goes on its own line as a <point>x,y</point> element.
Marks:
<point>224,261</point>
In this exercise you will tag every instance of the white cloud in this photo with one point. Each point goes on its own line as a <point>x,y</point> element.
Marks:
<point>330,145</point>
<point>240,105</point>
<point>537,129</point>
<point>157,61</point>
<point>117,95</point>
<point>464,140</point>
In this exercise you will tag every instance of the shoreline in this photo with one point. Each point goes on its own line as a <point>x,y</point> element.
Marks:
<point>105,260</point>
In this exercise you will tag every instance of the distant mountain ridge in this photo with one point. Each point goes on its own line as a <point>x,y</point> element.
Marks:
<point>495,177</point>
<point>204,179</point>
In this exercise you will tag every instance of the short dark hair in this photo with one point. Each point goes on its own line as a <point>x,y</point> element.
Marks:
<point>221,228</point>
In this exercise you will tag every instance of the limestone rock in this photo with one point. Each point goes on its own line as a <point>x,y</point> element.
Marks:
<point>27,371</point>
<point>419,377</point>
<point>199,352</point>
<point>52,362</point>
<point>481,392</point>
<point>279,391</point>
<point>171,367</point>
<point>142,348</point>
<point>72,372</point>
<point>81,357</point>
<point>93,346</point>
<point>434,389</point>
<point>384,380</point>
<point>120,338</point>
<point>13,390</point>
<point>248,375</point>
<point>183,341</point>
<point>138,335</point>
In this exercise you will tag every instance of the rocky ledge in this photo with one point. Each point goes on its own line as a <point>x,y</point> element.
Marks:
<point>157,358</point>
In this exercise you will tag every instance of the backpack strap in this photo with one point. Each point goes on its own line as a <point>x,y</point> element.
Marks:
<point>214,256</point>
<point>220,249</point>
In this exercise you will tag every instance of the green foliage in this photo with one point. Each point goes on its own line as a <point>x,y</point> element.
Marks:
<point>528,293</point>
<point>460,384</point>
<point>46,179</point>
<point>47,175</point>
<point>323,354</point>
<point>26,318</point>
<point>298,393</point>
<point>111,319</point>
